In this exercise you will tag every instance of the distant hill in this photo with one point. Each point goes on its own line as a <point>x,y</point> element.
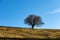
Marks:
<point>12,32</point>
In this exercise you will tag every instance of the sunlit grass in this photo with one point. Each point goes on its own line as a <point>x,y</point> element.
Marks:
<point>28,33</point>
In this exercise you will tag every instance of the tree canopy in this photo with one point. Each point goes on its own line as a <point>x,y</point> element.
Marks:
<point>33,20</point>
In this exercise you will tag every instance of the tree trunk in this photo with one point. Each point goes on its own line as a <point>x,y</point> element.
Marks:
<point>33,26</point>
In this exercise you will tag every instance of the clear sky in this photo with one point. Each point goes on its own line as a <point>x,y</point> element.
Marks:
<point>13,12</point>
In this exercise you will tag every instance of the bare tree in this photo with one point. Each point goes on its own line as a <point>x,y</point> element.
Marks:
<point>33,20</point>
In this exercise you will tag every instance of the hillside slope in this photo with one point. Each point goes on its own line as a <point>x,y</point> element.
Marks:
<point>28,33</point>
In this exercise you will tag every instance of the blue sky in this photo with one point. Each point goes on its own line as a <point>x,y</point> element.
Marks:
<point>13,12</point>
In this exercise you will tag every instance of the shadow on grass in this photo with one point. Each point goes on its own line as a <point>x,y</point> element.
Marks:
<point>5,38</point>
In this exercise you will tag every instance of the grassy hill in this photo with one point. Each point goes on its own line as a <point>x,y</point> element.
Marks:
<point>28,33</point>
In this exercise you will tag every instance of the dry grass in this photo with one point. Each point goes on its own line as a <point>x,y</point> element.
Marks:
<point>28,33</point>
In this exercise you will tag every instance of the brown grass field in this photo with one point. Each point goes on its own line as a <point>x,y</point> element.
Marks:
<point>28,33</point>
